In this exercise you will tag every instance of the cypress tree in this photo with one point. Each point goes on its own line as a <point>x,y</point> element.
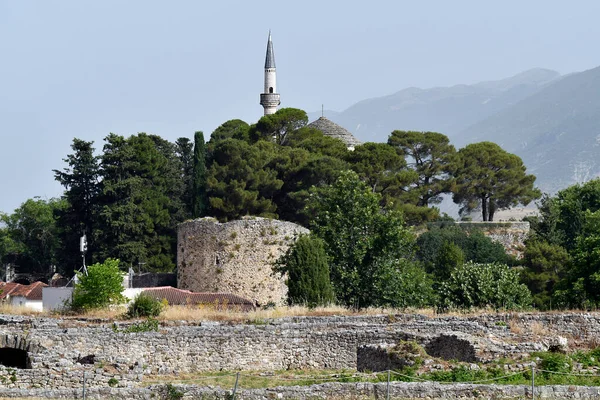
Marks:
<point>200,201</point>
<point>305,262</point>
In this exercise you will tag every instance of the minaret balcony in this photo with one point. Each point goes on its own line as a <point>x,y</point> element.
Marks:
<point>269,99</point>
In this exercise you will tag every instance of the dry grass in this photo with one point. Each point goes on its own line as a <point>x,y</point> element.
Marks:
<point>177,313</point>
<point>538,329</point>
<point>10,309</point>
<point>219,313</point>
<point>515,327</point>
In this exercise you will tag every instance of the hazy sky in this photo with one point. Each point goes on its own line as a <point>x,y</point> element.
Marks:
<point>86,68</point>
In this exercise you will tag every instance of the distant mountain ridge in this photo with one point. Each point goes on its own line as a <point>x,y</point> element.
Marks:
<point>549,120</point>
<point>448,110</point>
<point>556,131</point>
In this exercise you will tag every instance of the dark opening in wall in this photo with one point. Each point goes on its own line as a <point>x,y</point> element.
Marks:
<point>14,358</point>
<point>270,90</point>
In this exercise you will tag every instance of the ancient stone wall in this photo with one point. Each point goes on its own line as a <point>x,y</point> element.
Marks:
<point>61,351</point>
<point>234,257</point>
<point>397,390</point>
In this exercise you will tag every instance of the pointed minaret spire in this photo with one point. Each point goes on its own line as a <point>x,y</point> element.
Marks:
<point>269,99</point>
<point>270,58</point>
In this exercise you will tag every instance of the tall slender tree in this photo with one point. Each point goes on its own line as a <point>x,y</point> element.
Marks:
<point>185,153</point>
<point>200,199</point>
<point>82,188</point>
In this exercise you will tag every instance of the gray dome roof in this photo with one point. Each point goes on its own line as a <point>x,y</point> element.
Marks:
<point>333,130</point>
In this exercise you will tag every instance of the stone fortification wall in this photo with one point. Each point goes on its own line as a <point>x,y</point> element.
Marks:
<point>234,257</point>
<point>60,352</point>
<point>397,390</point>
<point>511,235</point>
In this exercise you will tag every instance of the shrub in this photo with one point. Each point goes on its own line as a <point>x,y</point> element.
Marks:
<point>484,285</point>
<point>172,393</point>
<point>144,306</point>
<point>305,262</point>
<point>555,362</point>
<point>112,382</point>
<point>101,287</point>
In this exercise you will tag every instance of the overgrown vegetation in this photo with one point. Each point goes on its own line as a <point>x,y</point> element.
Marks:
<point>148,325</point>
<point>494,372</point>
<point>101,287</point>
<point>144,306</point>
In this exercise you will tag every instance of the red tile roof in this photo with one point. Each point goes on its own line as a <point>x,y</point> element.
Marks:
<point>184,297</point>
<point>7,288</point>
<point>30,292</point>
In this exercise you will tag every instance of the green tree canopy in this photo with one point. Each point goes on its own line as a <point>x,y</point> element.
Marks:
<point>492,179</point>
<point>275,127</point>
<point>305,264</point>
<point>29,237</point>
<point>432,157</point>
<point>316,142</point>
<point>185,153</point>
<point>81,180</point>
<point>232,129</point>
<point>240,182</point>
<point>562,217</point>
<point>140,203</point>
<point>545,264</point>
<point>101,287</point>
<point>381,167</point>
<point>359,237</point>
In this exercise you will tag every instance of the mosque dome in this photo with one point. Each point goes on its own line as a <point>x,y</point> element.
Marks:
<point>333,130</point>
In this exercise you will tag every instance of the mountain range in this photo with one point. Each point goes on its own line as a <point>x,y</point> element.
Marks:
<point>551,121</point>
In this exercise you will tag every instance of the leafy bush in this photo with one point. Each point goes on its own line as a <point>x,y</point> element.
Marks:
<point>144,306</point>
<point>484,285</point>
<point>401,284</point>
<point>305,263</point>
<point>438,246</point>
<point>112,382</point>
<point>555,362</point>
<point>101,287</point>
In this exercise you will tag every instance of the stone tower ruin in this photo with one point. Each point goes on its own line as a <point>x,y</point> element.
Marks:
<point>234,257</point>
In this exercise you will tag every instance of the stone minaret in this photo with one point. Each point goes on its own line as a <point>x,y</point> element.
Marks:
<point>269,99</point>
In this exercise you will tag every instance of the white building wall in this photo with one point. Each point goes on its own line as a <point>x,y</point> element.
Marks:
<point>21,301</point>
<point>55,298</point>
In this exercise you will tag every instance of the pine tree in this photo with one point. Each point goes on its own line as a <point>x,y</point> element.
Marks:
<point>139,206</point>
<point>185,153</point>
<point>200,201</point>
<point>81,182</point>
<point>491,179</point>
